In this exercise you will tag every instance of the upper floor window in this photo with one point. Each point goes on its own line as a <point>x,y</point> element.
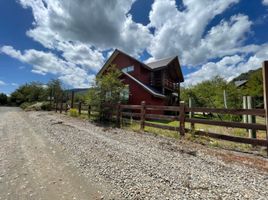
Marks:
<point>128,69</point>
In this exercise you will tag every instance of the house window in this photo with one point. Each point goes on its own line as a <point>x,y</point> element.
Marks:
<point>128,69</point>
<point>124,94</point>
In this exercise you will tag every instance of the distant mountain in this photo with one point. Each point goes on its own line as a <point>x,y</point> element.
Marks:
<point>78,90</point>
<point>246,76</point>
<point>252,86</point>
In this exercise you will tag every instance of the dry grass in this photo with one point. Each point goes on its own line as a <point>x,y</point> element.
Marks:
<point>215,143</point>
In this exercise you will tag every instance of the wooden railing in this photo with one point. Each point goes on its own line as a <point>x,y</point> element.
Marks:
<point>166,84</point>
<point>170,85</point>
<point>144,113</point>
<point>183,111</point>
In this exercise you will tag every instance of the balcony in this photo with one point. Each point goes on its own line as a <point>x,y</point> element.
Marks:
<point>171,85</point>
<point>167,84</point>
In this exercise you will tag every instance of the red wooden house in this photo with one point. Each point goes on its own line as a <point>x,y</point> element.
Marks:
<point>157,83</point>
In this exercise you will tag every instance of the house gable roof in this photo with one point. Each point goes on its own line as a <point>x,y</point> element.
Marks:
<point>113,56</point>
<point>152,66</point>
<point>149,89</point>
<point>240,83</point>
<point>160,63</point>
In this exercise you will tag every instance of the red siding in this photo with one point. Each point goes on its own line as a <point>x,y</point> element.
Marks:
<point>139,73</point>
<point>137,92</point>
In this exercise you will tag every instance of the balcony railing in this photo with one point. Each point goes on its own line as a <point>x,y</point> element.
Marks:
<point>167,84</point>
<point>170,85</point>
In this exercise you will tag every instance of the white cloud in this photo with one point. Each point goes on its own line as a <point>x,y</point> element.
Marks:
<point>2,83</point>
<point>265,2</point>
<point>15,84</point>
<point>99,23</point>
<point>44,63</point>
<point>183,32</point>
<point>221,40</point>
<point>228,67</point>
<point>79,31</point>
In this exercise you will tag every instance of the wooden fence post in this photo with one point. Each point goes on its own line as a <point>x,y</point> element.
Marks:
<point>79,107</point>
<point>191,114</point>
<point>88,111</point>
<point>118,115</point>
<point>245,118</point>
<point>143,104</point>
<point>182,119</point>
<point>72,100</point>
<point>265,95</point>
<point>251,119</point>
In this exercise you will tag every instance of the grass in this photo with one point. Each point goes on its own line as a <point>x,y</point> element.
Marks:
<point>215,143</point>
<point>135,126</point>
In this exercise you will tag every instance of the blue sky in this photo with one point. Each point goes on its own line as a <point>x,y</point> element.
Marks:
<point>70,40</point>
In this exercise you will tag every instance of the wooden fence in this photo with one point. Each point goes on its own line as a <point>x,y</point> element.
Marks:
<point>144,113</point>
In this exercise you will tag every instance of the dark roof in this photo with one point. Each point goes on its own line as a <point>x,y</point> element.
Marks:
<point>146,87</point>
<point>160,63</point>
<point>156,65</point>
<point>240,83</point>
<point>112,57</point>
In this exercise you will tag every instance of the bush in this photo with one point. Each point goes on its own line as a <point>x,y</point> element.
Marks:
<point>25,105</point>
<point>74,112</point>
<point>36,106</point>
<point>46,106</point>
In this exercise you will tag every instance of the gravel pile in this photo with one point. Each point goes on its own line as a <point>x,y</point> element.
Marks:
<point>132,165</point>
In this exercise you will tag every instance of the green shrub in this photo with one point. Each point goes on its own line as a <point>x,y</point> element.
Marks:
<point>73,112</point>
<point>25,105</point>
<point>46,106</point>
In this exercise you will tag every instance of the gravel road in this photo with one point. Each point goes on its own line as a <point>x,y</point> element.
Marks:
<point>44,155</point>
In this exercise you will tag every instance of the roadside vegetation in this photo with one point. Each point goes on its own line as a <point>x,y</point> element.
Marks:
<point>36,95</point>
<point>108,89</point>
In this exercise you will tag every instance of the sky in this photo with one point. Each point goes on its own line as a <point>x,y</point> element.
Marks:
<point>71,40</point>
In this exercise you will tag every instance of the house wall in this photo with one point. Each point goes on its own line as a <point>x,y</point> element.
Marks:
<point>139,94</point>
<point>140,73</point>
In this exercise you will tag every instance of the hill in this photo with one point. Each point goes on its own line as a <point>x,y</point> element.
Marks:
<point>78,90</point>
<point>253,86</point>
<point>247,75</point>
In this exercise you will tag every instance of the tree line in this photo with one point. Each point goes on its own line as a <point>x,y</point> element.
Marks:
<point>210,93</point>
<point>109,88</point>
<point>33,92</point>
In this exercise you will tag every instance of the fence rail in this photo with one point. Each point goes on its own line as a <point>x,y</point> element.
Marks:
<point>139,112</point>
<point>145,112</point>
<point>257,112</point>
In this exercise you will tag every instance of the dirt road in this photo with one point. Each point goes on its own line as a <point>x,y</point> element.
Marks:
<point>44,155</point>
<point>33,168</point>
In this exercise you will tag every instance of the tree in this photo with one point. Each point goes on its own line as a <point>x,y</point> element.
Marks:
<point>106,90</point>
<point>210,94</point>
<point>254,87</point>
<point>29,92</point>
<point>3,99</point>
<point>54,89</point>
